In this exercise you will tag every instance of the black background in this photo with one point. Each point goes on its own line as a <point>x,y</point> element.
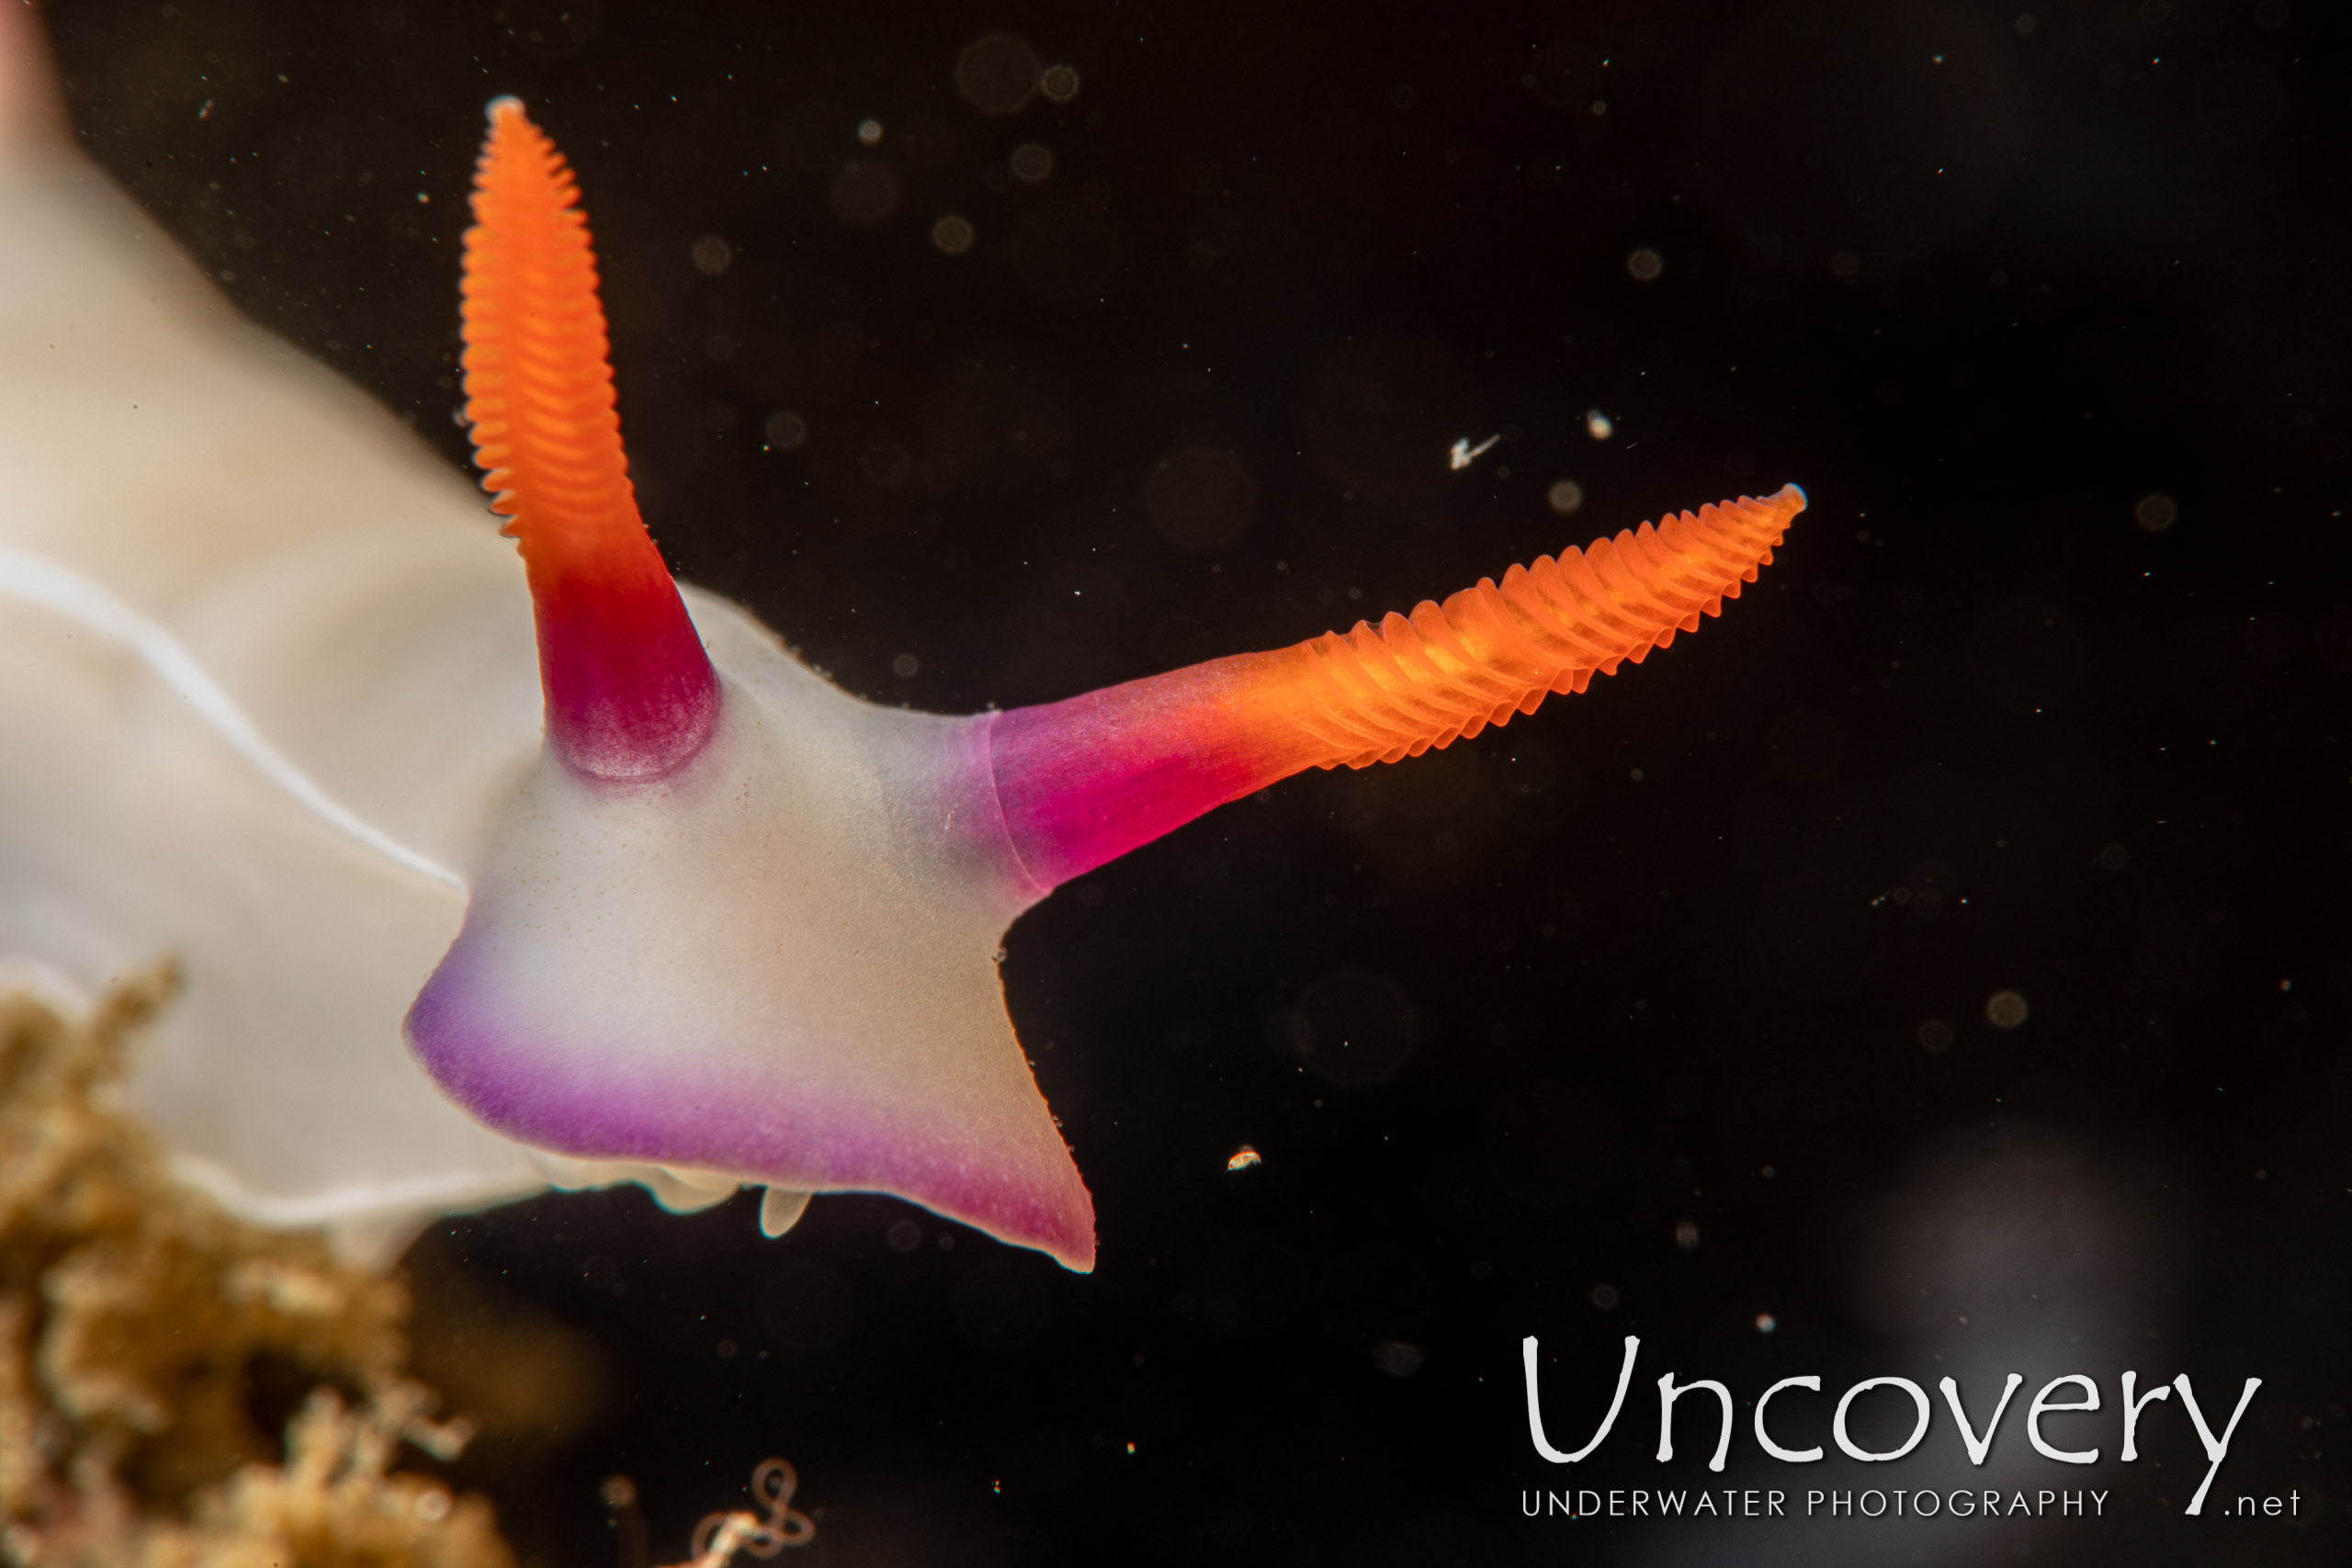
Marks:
<point>1673,951</point>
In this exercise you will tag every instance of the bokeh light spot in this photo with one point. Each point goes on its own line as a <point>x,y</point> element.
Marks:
<point>996,73</point>
<point>953,234</point>
<point>1199,497</point>
<point>1353,1028</point>
<point>1032,162</point>
<point>786,430</point>
<point>863,193</point>
<point>807,1304</point>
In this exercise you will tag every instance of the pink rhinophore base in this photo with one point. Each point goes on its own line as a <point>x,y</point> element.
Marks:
<point>629,692</point>
<point>1084,780</point>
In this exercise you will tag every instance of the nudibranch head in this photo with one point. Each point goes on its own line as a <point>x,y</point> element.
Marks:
<point>772,958</point>
<point>769,956</point>
<point>629,692</point>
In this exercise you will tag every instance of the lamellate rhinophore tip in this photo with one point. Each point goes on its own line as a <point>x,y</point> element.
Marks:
<point>1088,779</point>
<point>630,691</point>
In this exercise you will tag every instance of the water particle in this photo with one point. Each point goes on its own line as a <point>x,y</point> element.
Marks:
<point>786,430</point>
<point>1032,162</point>
<point>952,234</point>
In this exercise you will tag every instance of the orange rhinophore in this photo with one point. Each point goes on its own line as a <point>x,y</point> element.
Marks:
<point>723,923</point>
<point>1089,779</point>
<point>1487,652</point>
<point>629,692</point>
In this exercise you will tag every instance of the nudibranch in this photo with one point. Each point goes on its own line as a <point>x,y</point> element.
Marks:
<point>682,911</point>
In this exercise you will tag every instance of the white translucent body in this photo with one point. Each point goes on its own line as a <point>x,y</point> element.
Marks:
<point>347,594</point>
<point>267,688</point>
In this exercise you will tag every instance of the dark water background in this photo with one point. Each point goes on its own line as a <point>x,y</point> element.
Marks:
<point>1669,1008</point>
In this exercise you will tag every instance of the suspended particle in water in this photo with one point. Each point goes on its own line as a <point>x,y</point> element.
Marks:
<point>1599,425</point>
<point>1243,1158</point>
<point>2113,857</point>
<point>1686,1234</point>
<point>1645,265</point>
<point>1846,265</point>
<point>905,666</point>
<point>721,1537</point>
<point>863,192</point>
<point>1765,1323</point>
<point>786,430</point>
<point>1032,162</point>
<point>2156,512</point>
<point>869,131</point>
<point>952,234</point>
<point>1463,454</point>
<point>619,1494</point>
<point>1058,82</point>
<point>887,463</point>
<point>712,255</point>
<point>996,73</point>
<point>1604,1296</point>
<point>2006,1009</point>
<point>1199,497</point>
<point>1564,496</point>
<point>1935,1036</point>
